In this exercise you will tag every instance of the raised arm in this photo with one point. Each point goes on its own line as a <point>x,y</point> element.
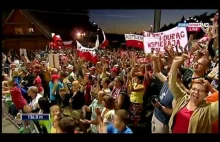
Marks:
<point>173,85</point>
<point>156,70</point>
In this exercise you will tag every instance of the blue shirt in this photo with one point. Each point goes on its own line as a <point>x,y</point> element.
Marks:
<point>51,85</point>
<point>112,130</point>
<point>166,99</point>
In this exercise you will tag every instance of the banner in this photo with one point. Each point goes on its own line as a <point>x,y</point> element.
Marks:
<point>144,60</point>
<point>54,61</point>
<point>88,54</point>
<point>173,37</point>
<point>23,52</point>
<point>68,44</point>
<point>134,40</point>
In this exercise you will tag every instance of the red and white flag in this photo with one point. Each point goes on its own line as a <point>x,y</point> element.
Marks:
<point>134,40</point>
<point>105,42</point>
<point>88,54</point>
<point>68,44</point>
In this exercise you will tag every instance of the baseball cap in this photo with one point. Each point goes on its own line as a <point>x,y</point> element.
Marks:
<point>114,70</point>
<point>70,67</point>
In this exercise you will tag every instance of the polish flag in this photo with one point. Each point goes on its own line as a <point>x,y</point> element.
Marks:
<point>68,44</point>
<point>134,40</point>
<point>105,42</point>
<point>88,54</point>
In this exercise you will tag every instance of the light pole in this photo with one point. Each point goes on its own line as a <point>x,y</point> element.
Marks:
<point>157,18</point>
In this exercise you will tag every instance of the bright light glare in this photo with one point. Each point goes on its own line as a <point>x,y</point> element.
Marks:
<point>78,34</point>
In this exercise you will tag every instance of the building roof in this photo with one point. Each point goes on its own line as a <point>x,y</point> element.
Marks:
<point>59,23</point>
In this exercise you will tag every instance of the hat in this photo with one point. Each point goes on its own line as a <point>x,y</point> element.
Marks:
<point>55,77</point>
<point>92,69</point>
<point>114,70</point>
<point>37,80</point>
<point>70,67</point>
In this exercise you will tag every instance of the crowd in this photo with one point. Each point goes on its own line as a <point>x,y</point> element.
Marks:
<point>116,94</point>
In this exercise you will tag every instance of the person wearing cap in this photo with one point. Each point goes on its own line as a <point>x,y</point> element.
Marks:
<point>71,73</point>
<point>55,86</point>
<point>38,84</point>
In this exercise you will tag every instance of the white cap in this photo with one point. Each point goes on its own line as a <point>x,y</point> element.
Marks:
<point>70,67</point>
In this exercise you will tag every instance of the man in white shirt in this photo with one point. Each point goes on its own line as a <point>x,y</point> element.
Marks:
<point>35,96</point>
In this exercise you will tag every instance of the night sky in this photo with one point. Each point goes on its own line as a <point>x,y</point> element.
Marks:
<point>125,21</point>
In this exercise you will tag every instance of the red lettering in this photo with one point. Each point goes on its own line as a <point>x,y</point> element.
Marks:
<point>182,34</point>
<point>178,42</point>
<point>165,37</point>
<point>177,36</point>
<point>173,36</point>
<point>157,50</point>
<point>161,44</point>
<point>165,43</point>
<point>169,43</point>
<point>173,42</point>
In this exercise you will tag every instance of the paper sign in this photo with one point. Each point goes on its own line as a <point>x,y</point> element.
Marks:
<point>54,61</point>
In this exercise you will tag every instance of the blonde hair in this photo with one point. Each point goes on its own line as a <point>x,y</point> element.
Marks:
<point>54,107</point>
<point>33,89</point>
<point>15,73</point>
<point>5,83</point>
<point>11,82</point>
<point>62,90</point>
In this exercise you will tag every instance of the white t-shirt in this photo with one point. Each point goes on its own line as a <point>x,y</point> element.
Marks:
<point>109,116</point>
<point>34,102</point>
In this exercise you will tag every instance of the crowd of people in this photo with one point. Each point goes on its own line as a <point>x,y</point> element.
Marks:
<point>116,94</point>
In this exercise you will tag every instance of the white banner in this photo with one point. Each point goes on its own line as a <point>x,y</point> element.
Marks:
<point>173,37</point>
<point>23,52</point>
<point>134,37</point>
<point>85,49</point>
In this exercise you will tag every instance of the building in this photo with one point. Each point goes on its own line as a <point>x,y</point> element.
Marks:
<point>29,29</point>
<point>21,30</point>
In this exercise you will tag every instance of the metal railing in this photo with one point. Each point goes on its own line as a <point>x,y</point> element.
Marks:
<point>21,127</point>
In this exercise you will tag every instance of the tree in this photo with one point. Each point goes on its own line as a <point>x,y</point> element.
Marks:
<point>182,19</point>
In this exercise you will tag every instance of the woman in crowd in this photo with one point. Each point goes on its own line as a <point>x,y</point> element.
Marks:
<point>106,116</point>
<point>105,82</point>
<point>191,113</point>
<point>119,93</point>
<point>97,103</point>
<point>77,100</point>
<point>136,98</point>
